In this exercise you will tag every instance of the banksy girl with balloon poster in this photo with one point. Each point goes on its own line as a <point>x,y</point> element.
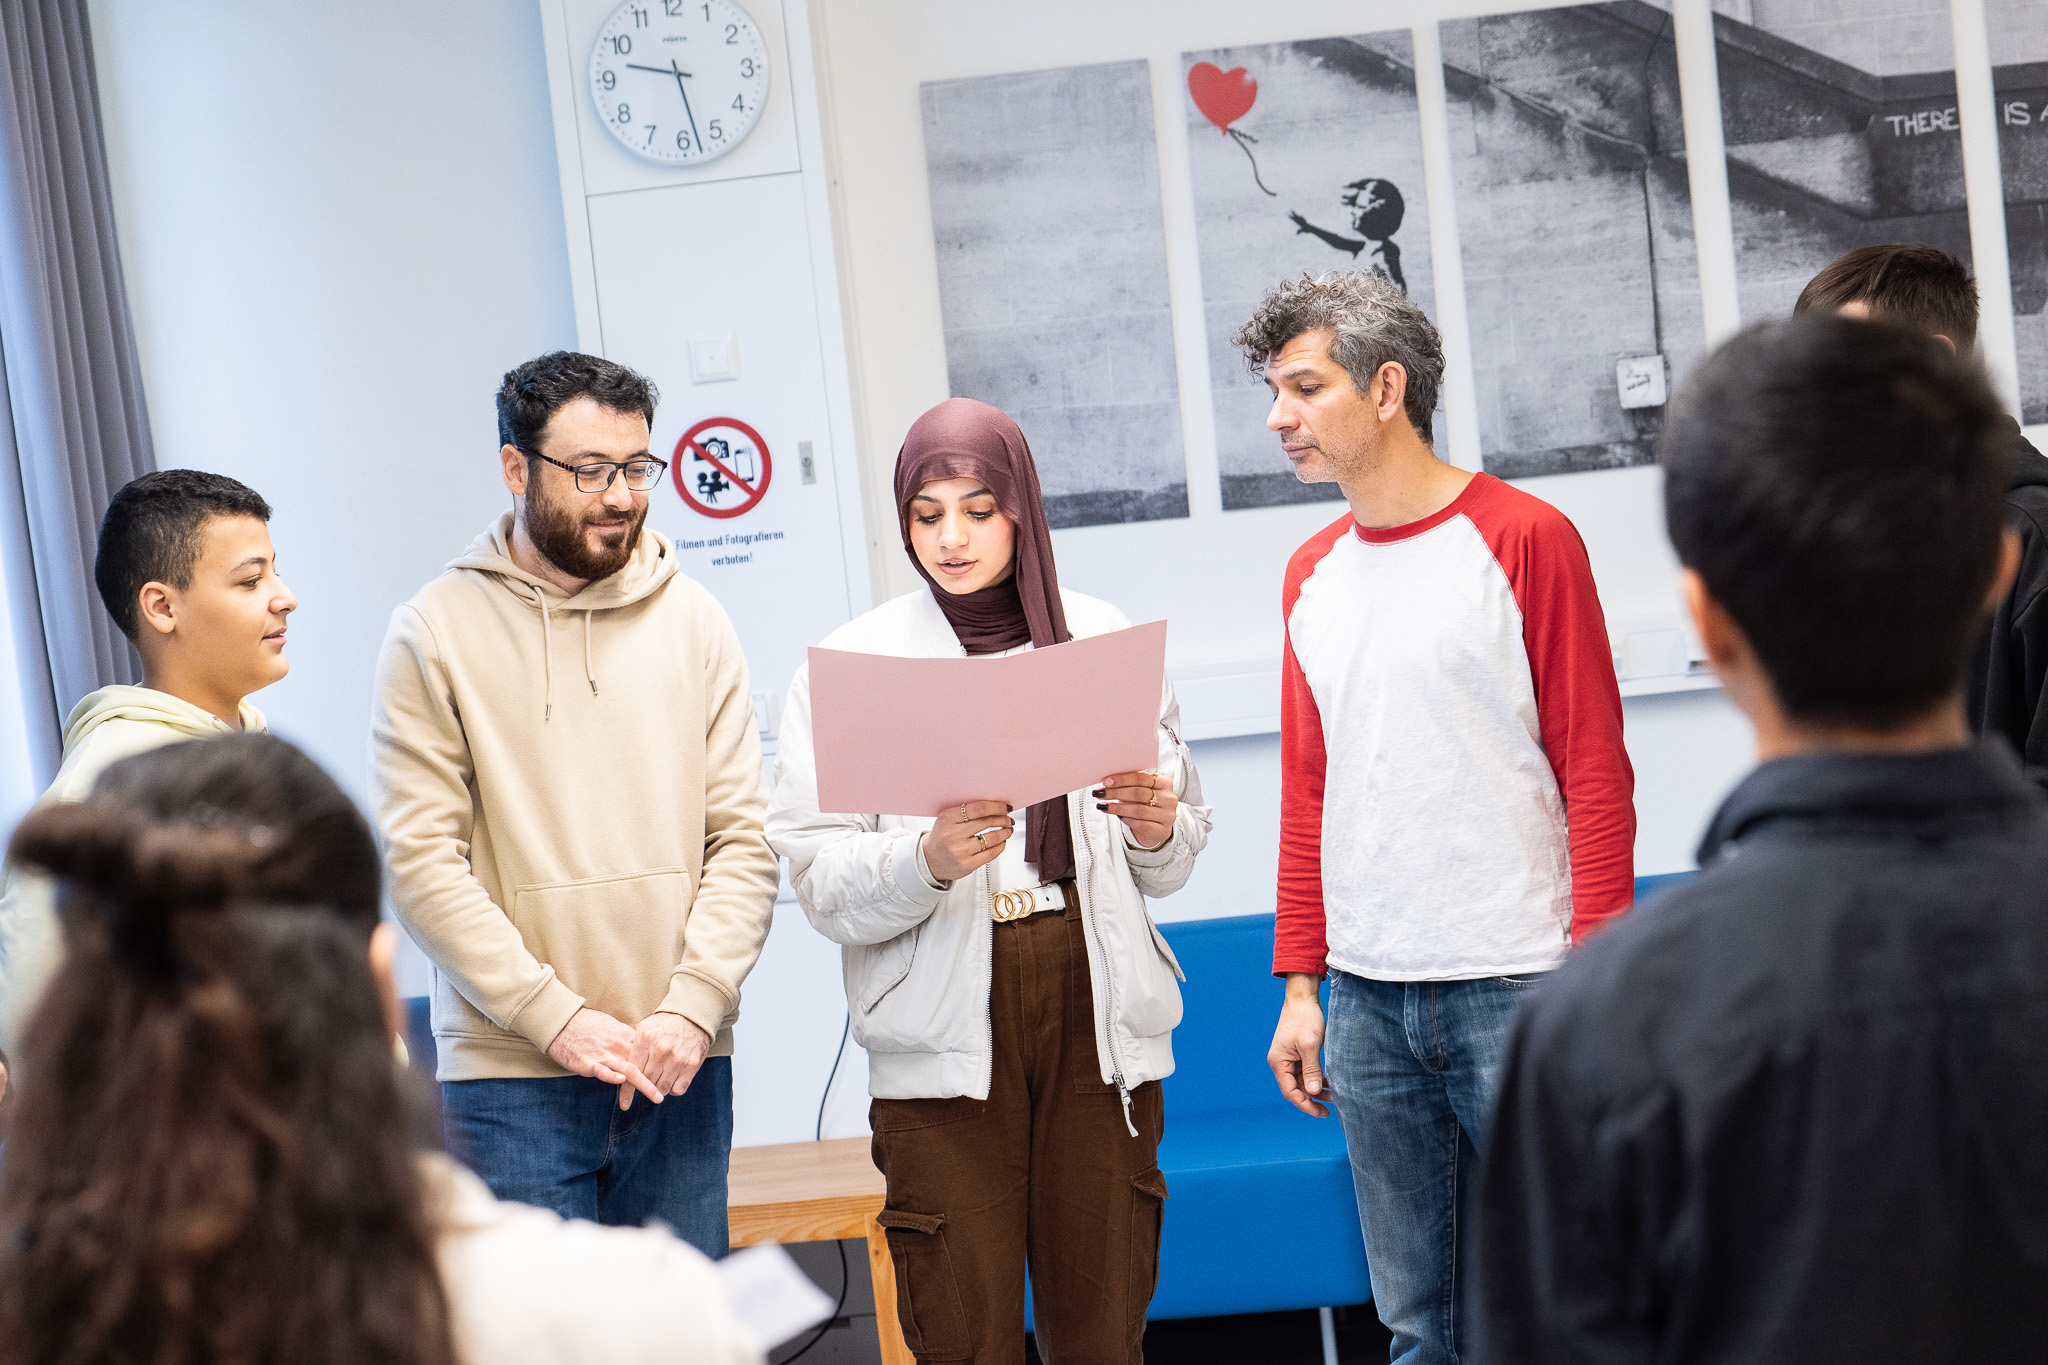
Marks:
<point>1303,156</point>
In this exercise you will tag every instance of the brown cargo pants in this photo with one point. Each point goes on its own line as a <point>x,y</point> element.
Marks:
<point>1041,1172</point>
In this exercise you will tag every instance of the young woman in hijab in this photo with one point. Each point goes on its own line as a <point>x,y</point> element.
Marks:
<point>1014,998</point>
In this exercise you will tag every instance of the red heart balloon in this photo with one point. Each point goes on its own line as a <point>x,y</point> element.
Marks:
<point>1224,97</point>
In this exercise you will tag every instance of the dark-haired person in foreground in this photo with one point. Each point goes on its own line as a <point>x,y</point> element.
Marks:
<point>1794,1111</point>
<point>186,569</point>
<point>1931,291</point>
<point>568,781</point>
<point>214,1158</point>
<point>1455,809</point>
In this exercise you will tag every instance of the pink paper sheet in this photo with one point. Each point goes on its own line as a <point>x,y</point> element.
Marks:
<point>898,736</point>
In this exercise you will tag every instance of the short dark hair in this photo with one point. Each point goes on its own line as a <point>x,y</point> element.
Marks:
<point>531,394</point>
<point>1374,321</point>
<point>154,531</point>
<point>1837,485</point>
<point>1903,282</point>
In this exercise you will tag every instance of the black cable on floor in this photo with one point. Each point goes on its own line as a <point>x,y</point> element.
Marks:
<point>845,1283</point>
<point>845,1270</point>
<point>819,1132</point>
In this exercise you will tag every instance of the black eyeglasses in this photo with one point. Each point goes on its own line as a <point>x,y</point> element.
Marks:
<point>595,476</point>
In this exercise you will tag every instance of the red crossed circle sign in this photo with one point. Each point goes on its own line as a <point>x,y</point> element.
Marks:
<point>721,467</point>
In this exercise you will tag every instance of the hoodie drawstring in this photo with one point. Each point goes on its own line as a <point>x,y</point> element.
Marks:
<point>547,655</point>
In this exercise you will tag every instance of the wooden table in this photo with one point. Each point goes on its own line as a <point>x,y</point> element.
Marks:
<point>817,1192</point>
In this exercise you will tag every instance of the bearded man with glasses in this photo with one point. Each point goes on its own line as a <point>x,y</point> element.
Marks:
<point>568,781</point>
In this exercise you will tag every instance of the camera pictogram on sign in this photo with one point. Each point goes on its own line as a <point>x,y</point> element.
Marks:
<point>721,467</point>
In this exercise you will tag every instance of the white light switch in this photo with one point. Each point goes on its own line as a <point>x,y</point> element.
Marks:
<point>714,356</point>
<point>768,714</point>
<point>1640,378</point>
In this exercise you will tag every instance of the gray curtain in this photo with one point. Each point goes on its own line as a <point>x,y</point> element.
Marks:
<point>73,385</point>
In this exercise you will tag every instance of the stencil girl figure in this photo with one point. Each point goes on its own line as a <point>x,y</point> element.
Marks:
<point>1376,212</point>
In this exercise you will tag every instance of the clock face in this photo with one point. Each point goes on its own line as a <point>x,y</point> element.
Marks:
<point>679,81</point>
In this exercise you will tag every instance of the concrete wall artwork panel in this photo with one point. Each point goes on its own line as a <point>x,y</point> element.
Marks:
<point>1575,231</point>
<point>1304,156</point>
<point>2019,40</point>
<point>1052,280</point>
<point>1841,129</point>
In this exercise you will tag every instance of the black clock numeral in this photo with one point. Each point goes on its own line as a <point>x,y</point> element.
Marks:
<point>707,14</point>
<point>639,18</point>
<point>672,9</point>
<point>739,102</point>
<point>683,140</point>
<point>608,79</point>
<point>625,114</point>
<point>621,44</point>
<point>747,67</point>
<point>732,35</point>
<point>650,135</point>
<point>717,133</point>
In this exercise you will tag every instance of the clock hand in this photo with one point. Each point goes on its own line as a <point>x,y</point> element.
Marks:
<point>679,74</point>
<point>657,70</point>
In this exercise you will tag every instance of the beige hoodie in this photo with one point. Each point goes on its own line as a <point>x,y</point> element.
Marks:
<point>570,794</point>
<point>105,727</point>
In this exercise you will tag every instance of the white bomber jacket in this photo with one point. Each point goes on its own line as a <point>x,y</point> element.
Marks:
<point>918,960</point>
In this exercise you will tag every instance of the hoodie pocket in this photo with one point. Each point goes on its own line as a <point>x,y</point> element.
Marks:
<point>615,941</point>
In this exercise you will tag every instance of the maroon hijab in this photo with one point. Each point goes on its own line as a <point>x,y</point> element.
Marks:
<point>963,439</point>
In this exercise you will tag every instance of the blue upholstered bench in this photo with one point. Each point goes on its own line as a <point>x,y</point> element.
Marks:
<point>1261,1215</point>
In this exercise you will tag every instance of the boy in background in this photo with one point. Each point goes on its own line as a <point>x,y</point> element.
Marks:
<point>186,569</point>
<point>1931,292</point>
<point>1793,1111</point>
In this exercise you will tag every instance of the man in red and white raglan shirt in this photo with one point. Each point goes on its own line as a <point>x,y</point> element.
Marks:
<point>1457,808</point>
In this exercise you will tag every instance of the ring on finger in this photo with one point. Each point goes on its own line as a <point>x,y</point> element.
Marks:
<point>981,839</point>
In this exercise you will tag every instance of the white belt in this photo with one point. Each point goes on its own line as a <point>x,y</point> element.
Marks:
<point>1005,906</point>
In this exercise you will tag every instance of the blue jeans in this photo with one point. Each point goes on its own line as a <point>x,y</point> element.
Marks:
<point>1416,1067</point>
<point>564,1144</point>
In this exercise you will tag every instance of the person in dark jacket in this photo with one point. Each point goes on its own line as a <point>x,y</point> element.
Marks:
<point>1796,1110</point>
<point>1931,291</point>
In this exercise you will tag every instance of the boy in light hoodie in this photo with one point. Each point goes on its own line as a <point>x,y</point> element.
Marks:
<point>186,569</point>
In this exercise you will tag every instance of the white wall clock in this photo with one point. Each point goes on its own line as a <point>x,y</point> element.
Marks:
<point>679,81</point>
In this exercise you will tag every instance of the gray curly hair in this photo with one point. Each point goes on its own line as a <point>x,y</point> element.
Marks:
<point>1375,322</point>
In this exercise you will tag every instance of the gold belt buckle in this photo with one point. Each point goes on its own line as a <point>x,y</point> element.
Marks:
<point>1005,906</point>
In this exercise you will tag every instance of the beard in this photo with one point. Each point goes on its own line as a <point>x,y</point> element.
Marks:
<point>559,531</point>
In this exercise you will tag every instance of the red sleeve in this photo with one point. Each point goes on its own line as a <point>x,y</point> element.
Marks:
<point>1299,941</point>
<point>1578,706</point>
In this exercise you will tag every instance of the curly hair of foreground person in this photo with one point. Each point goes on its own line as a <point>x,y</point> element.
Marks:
<point>213,1157</point>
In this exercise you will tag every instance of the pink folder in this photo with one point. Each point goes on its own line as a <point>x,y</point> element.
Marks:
<point>898,736</point>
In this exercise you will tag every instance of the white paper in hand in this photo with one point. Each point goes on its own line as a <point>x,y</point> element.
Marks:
<point>770,1296</point>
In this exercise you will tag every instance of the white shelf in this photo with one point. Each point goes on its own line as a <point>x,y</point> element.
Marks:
<point>1228,698</point>
<point>1672,682</point>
